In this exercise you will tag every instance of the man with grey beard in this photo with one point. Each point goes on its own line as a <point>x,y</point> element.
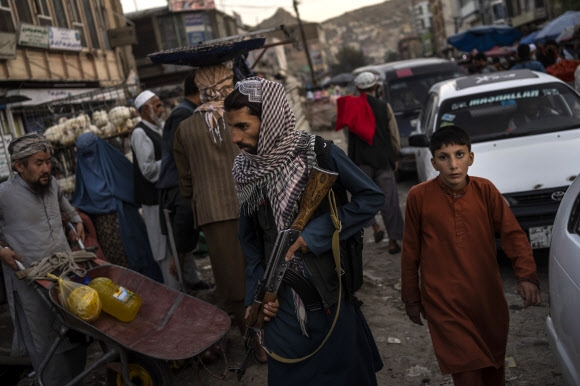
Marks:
<point>31,229</point>
<point>146,148</point>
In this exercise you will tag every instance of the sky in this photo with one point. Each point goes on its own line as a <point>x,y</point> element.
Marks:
<point>255,11</point>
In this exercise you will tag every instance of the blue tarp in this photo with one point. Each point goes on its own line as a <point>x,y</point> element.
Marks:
<point>484,38</point>
<point>529,39</point>
<point>556,26</point>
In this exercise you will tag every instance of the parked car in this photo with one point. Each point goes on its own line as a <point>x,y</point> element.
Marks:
<point>563,321</point>
<point>525,133</point>
<point>404,84</point>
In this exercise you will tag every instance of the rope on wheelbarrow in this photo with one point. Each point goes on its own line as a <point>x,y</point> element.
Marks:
<point>60,264</point>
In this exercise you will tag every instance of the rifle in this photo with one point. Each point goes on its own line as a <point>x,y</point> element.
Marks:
<point>278,269</point>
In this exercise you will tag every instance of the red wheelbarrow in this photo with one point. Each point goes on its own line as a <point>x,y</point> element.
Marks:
<point>170,326</point>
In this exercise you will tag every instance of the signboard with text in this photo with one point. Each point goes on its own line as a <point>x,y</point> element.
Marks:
<point>122,36</point>
<point>197,28</point>
<point>190,5</point>
<point>33,36</point>
<point>7,45</point>
<point>64,39</point>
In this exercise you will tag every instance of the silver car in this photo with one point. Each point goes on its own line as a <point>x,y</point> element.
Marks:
<point>563,321</point>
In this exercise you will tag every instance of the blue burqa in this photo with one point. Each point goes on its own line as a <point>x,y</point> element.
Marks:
<point>104,184</point>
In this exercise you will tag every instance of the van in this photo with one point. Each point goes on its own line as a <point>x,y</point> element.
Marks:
<point>405,84</point>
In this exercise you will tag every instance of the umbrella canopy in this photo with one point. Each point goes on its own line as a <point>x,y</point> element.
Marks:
<point>529,39</point>
<point>484,37</point>
<point>206,54</point>
<point>566,34</point>
<point>554,28</point>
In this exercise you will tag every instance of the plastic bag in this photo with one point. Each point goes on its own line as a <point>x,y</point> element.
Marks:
<point>79,299</point>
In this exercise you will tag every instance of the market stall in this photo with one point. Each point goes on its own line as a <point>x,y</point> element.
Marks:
<point>106,112</point>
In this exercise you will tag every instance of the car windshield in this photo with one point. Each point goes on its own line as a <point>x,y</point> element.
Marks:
<point>513,112</point>
<point>409,93</point>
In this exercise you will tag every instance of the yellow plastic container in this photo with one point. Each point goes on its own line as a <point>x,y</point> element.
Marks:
<point>84,302</point>
<point>116,300</point>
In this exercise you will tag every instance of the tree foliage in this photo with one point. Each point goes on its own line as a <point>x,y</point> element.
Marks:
<point>348,59</point>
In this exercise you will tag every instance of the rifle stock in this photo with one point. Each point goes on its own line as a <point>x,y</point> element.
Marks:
<point>319,183</point>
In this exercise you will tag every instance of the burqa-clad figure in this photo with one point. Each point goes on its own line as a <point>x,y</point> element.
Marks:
<point>104,187</point>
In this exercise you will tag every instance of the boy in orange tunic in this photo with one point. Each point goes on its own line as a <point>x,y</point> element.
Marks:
<point>449,268</point>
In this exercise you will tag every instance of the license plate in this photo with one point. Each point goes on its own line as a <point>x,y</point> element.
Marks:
<point>540,237</point>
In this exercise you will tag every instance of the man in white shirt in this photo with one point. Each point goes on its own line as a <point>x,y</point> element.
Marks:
<point>146,141</point>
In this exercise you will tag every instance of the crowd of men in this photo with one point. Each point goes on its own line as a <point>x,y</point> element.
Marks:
<point>229,162</point>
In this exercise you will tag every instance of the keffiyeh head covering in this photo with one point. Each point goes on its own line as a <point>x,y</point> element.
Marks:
<point>27,145</point>
<point>214,84</point>
<point>284,156</point>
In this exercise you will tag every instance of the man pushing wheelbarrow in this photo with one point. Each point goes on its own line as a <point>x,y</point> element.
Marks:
<point>169,326</point>
<point>31,203</point>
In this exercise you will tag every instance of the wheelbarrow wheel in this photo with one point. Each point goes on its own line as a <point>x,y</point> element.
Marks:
<point>143,371</point>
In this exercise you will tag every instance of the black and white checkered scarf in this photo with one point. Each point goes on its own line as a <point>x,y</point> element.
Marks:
<point>284,158</point>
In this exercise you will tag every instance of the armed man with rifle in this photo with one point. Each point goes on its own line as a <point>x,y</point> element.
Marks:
<point>300,279</point>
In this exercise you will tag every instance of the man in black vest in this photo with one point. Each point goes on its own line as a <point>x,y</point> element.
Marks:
<point>379,160</point>
<point>184,232</point>
<point>146,149</point>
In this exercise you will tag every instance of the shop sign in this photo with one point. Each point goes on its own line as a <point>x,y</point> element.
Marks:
<point>122,36</point>
<point>39,96</point>
<point>31,35</point>
<point>65,39</point>
<point>189,5</point>
<point>197,28</point>
<point>7,45</point>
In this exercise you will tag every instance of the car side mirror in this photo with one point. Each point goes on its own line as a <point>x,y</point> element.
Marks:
<point>418,140</point>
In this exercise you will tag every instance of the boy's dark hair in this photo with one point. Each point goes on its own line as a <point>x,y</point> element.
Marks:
<point>189,86</point>
<point>236,100</point>
<point>448,135</point>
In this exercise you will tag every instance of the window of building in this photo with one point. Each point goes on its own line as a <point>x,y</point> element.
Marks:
<point>147,42</point>
<point>23,11</point>
<point>499,12</point>
<point>59,11</point>
<point>43,13</point>
<point>6,22</point>
<point>103,24</point>
<point>91,24</point>
<point>169,25</point>
<point>77,21</point>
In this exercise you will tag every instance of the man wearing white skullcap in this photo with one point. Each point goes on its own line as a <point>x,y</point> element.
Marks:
<point>374,144</point>
<point>146,148</point>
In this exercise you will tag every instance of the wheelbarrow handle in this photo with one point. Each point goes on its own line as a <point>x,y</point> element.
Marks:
<point>19,265</point>
<point>80,243</point>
